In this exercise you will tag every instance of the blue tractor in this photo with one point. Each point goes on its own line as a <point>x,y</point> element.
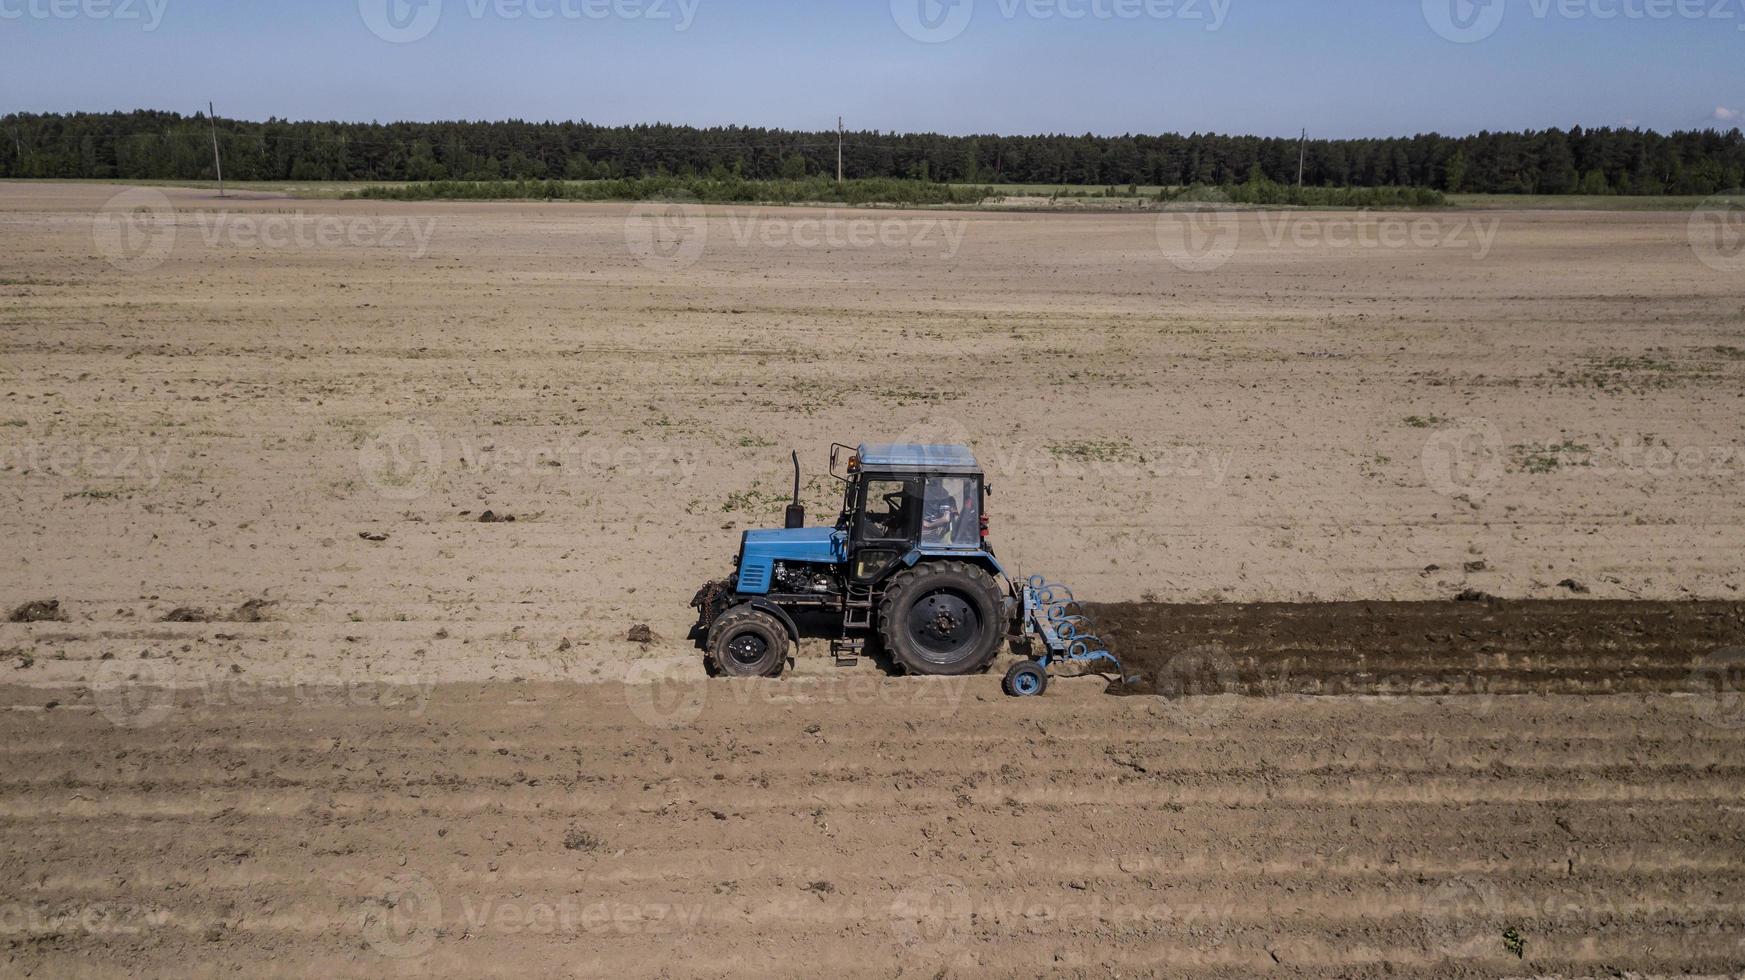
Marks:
<point>907,564</point>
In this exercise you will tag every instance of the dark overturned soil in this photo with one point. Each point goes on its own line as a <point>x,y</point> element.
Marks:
<point>1499,647</point>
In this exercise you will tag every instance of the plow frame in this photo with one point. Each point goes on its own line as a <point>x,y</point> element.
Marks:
<point>1048,614</point>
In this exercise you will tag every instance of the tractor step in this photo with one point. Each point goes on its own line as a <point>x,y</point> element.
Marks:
<point>857,609</point>
<point>846,652</point>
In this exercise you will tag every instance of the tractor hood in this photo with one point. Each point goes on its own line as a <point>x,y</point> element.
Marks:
<point>761,550</point>
<point>817,544</point>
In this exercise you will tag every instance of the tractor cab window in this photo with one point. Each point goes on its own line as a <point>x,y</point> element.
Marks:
<point>890,510</point>
<point>951,512</point>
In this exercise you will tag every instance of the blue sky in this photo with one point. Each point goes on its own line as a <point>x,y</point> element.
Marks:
<point>1339,67</point>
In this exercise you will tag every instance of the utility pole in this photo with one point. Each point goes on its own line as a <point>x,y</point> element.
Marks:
<point>217,162</point>
<point>839,136</point>
<point>1302,157</point>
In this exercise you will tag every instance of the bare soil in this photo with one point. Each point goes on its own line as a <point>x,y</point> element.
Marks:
<point>1497,647</point>
<point>870,826</point>
<point>412,742</point>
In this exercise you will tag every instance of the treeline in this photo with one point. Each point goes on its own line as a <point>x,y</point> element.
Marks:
<point>728,190</point>
<point>1262,190</point>
<point>168,146</point>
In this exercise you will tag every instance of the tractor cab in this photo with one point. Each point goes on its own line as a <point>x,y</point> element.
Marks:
<point>903,503</point>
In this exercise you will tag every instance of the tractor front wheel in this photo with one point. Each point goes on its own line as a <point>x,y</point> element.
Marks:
<point>942,619</point>
<point>746,642</point>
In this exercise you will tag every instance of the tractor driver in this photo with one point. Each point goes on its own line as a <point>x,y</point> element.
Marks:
<point>938,513</point>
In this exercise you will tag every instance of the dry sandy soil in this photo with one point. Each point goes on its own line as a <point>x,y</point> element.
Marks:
<point>365,751</point>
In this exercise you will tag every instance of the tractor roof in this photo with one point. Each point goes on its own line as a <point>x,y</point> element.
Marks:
<point>913,456</point>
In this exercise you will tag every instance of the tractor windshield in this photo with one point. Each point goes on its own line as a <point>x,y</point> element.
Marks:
<point>951,512</point>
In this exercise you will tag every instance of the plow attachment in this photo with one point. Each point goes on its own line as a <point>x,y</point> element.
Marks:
<point>1056,630</point>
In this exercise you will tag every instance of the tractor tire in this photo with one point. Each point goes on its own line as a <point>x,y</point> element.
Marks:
<point>745,642</point>
<point>942,619</point>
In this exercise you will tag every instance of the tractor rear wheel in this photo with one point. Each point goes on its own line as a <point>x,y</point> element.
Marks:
<point>942,619</point>
<point>746,642</point>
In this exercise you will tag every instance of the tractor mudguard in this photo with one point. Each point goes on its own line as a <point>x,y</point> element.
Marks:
<point>984,560</point>
<point>764,605</point>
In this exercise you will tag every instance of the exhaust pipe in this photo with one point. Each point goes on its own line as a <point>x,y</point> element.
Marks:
<point>796,510</point>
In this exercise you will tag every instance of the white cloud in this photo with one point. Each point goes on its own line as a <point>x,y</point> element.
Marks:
<point>1726,115</point>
